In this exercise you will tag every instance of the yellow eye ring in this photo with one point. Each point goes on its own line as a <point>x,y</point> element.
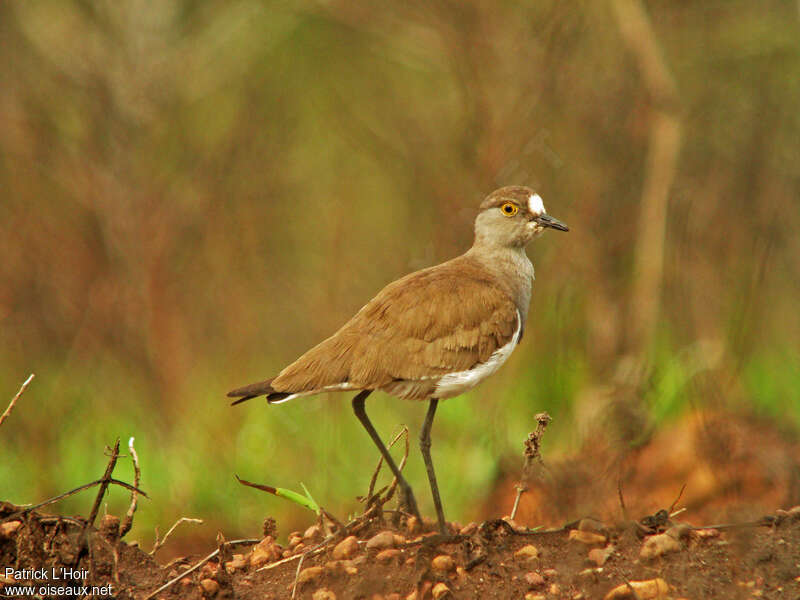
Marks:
<point>509,209</point>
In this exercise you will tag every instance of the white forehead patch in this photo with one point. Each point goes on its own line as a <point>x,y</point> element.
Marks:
<point>535,205</point>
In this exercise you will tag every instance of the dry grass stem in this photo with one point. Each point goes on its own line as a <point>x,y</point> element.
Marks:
<point>127,523</point>
<point>297,574</point>
<point>532,455</point>
<point>371,496</point>
<point>13,402</point>
<point>159,543</point>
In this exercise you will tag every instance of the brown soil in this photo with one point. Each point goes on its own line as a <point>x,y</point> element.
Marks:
<point>739,562</point>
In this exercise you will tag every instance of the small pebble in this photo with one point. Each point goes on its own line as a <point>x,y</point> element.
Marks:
<point>529,552</point>
<point>312,533</point>
<point>651,589</point>
<point>555,589</point>
<point>238,562</point>
<point>9,529</point>
<point>346,548</point>
<point>294,540</point>
<point>323,594</point>
<point>264,552</point>
<point>533,579</point>
<point>381,541</point>
<point>549,573</point>
<point>210,587</point>
<point>309,574</point>
<point>388,555</point>
<point>443,563</point>
<point>658,545</point>
<point>586,537</point>
<point>440,590</point>
<point>532,596</point>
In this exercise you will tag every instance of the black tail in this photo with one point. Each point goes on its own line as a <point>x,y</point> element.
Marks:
<point>262,388</point>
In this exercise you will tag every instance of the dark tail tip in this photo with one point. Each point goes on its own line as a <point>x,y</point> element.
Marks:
<point>239,400</point>
<point>262,388</point>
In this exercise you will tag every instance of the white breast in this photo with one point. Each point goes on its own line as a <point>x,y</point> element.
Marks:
<point>459,382</point>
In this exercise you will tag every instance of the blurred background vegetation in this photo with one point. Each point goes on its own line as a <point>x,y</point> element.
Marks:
<point>194,193</point>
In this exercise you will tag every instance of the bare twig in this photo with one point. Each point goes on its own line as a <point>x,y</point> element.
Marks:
<point>105,481</point>
<point>380,462</point>
<point>371,496</point>
<point>7,411</point>
<point>176,579</point>
<point>137,474</point>
<point>672,506</point>
<point>159,543</point>
<point>72,492</point>
<point>532,454</point>
<point>622,499</point>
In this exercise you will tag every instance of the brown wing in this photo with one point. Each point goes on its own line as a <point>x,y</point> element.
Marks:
<point>436,321</point>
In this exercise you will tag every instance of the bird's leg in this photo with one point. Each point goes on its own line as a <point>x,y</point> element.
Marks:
<point>407,500</point>
<point>425,447</point>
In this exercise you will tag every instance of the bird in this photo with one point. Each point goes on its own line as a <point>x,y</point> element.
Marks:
<point>431,335</point>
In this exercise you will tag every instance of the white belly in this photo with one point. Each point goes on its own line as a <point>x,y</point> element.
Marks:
<point>459,382</point>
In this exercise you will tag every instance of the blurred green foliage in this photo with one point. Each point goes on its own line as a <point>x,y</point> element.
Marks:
<point>194,193</point>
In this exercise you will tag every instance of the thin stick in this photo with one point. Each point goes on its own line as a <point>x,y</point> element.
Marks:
<point>532,453</point>
<point>297,574</point>
<point>403,430</point>
<point>159,543</point>
<point>314,549</point>
<point>622,499</point>
<point>104,483</point>
<point>137,474</point>
<point>72,492</point>
<point>197,566</point>
<point>7,412</point>
<point>672,506</point>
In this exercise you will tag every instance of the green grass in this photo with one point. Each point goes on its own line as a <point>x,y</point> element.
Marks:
<point>188,464</point>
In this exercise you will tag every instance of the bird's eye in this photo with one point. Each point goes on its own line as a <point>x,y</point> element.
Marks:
<point>509,209</point>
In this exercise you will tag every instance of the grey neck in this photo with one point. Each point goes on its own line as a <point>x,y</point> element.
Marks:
<point>511,269</point>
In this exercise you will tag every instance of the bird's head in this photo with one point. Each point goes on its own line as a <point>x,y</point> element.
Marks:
<point>513,216</point>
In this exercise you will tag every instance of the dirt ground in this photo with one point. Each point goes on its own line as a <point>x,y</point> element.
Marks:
<point>588,559</point>
<point>692,514</point>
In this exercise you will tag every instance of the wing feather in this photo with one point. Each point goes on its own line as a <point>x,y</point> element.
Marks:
<point>441,320</point>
